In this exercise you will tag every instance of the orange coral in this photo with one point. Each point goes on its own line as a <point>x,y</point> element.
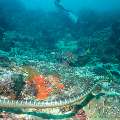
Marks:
<point>42,89</point>
<point>41,84</point>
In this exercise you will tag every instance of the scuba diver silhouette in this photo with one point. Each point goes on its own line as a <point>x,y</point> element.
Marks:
<point>59,6</point>
<point>68,13</point>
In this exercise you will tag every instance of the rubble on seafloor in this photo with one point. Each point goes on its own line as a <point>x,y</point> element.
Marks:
<point>105,108</point>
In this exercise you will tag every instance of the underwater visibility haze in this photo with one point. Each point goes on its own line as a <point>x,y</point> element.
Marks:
<point>60,59</point>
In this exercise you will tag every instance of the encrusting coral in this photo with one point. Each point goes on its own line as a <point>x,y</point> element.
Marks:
<point>43,85</point>
<point>42,89</point>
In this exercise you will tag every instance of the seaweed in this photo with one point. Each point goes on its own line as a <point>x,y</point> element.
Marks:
<point>18,84</point>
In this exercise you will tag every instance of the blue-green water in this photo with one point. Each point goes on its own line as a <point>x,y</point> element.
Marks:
<point>71,35</point>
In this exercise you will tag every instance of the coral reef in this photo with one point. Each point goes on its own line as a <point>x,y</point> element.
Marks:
<point>46,59</point>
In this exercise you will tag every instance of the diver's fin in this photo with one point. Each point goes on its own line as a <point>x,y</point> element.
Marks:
<point>73,17</point>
